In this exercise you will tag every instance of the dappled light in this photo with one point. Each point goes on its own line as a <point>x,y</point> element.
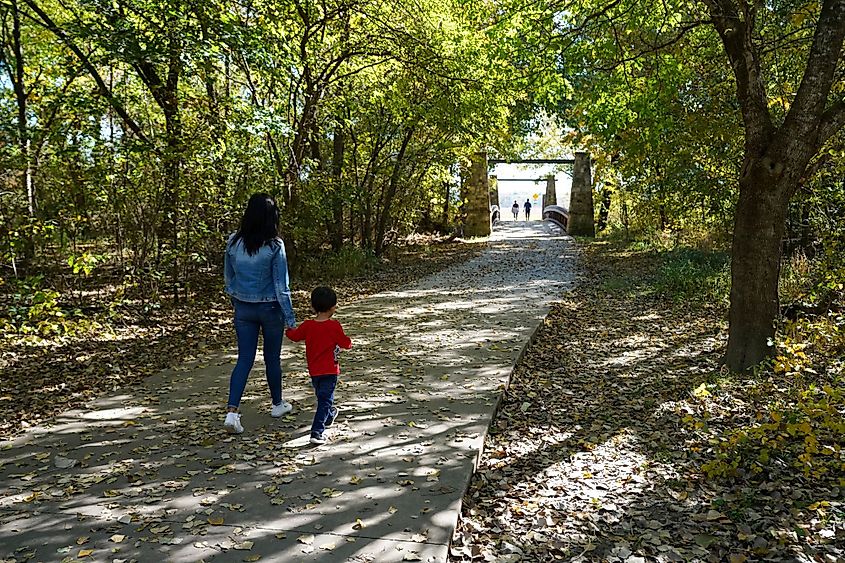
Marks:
<point>601,449</point>
<point>154,467</point>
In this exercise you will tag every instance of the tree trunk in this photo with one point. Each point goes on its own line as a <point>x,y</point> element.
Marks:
<point>776,157</point>
<point>604,209</point>
<point>663,219</point>
<point>446,190</point>
<point>336,220</point>
<point>755,266</point>
<point>170,224</point>
<point>17,77</point>
<point>390,194</point>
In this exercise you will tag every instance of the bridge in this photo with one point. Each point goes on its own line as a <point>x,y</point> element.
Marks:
<point>557,215</point>
<point>480,192</point>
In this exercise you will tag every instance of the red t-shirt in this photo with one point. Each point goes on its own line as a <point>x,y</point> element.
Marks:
<point>323,340</point>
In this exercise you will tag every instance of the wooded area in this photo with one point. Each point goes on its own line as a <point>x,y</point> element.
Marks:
<point>134,130</point>
<point>132,133</point>
<point>137,128</point>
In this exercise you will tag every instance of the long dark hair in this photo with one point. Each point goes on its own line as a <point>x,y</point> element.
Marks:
<point>260,223</point>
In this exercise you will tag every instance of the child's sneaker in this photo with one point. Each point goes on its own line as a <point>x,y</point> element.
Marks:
<point>281,409</point>
<point>332,416</point>
<point>232,424</point>
<point>318,439</point>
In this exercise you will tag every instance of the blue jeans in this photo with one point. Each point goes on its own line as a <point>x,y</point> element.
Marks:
<point>324,386</point>
<point>250,318</point>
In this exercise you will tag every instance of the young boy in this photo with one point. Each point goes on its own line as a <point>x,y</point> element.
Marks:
<point>323,338</point>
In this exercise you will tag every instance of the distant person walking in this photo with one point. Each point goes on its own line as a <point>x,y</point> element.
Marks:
<point>515,210</point>
<point>256,276</point>
<point>324,337</point>
<point>527,207</point>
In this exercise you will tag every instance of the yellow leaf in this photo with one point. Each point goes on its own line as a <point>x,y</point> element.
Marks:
<point>358,524</point>
<point>85,552</point>
<point>81,540</point>
<point>701,391</point>
<point>215,520</point>
<point>244,545</point>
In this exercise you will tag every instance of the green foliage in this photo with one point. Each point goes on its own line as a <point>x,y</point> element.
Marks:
<point>84,263</point>
<point>799,405</point>
<point>36,310</point>
<point>150,123</point>
<point>687,274</point>
<point>347,263</point>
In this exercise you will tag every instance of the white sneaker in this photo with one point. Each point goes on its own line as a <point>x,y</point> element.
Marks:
<point>233,424</point>
<point>281,409</point>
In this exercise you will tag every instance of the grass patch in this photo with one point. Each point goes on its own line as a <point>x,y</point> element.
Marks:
<point>349,262</point>
<point>687,274</point>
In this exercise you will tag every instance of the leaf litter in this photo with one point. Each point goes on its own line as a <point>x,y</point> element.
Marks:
<point>179,446</point>
<point>44,377</point>
<point>599,449</point>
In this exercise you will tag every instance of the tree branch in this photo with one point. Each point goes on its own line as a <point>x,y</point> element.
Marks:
<point>833,119</point>
<point>47,22</point>
<point>810,101</point>
<point>736,35</point>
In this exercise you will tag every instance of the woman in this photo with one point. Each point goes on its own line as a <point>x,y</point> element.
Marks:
<point>256,275</point>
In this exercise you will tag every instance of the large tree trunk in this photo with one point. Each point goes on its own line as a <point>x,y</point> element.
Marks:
<point>776,157</point>
<point>755,268</point>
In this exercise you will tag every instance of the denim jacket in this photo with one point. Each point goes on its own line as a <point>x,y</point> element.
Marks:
<point>259,278</point>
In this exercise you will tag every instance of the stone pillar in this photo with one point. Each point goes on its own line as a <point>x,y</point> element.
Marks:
<point>551,192</point>
<point>477,198</point>
<point>581,220</point>
<point>494,191</point>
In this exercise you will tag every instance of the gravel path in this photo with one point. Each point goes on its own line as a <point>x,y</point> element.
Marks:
<point>153,475</point>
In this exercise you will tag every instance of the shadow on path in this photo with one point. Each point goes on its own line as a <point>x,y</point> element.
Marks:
<point>149,473</point>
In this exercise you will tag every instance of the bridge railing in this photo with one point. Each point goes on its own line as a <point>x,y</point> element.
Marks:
<point>558,215</point>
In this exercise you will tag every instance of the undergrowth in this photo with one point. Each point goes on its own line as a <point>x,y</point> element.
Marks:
<point>789,414</point>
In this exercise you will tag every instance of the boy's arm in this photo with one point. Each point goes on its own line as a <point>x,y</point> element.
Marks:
<point>296,334</point>
<point>342,340</point>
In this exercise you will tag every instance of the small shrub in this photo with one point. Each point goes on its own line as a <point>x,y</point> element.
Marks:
<point>348,263</point>
<point>693,275</point>
<point>33,309</point>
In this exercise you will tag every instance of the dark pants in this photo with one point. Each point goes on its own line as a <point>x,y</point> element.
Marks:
<point>250,318</point>
<point>324,386</point>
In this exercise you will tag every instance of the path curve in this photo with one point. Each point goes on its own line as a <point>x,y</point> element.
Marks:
<point>154,476</point>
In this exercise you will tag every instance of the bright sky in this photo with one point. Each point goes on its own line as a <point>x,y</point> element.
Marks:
<point>519,191</point>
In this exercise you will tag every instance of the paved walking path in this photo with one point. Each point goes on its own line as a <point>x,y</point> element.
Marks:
<point>148,473</point>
